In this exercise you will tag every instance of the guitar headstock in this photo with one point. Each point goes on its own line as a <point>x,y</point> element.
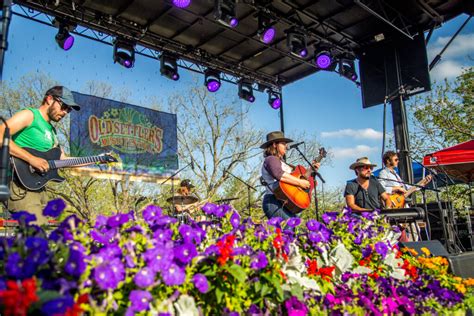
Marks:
<point>322,154</point>
<point>112,160</point>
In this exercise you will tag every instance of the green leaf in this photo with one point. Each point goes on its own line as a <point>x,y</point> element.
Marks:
<point>297,291</point>
<point>238,273</point>
<point>219,295</point>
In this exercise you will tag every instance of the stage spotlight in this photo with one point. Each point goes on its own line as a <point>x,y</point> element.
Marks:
<point>224,13</point>
<point>124,52</point>
<point>296,42</point>
<point>347,69</point>
<point>274,99</point>
<point>212,80</point>
<point>246,90</point>
<point>266,32</point>
<point>324,59</point>
<point>181,3</point>
<point>64,39</point>
<point>169,67</point>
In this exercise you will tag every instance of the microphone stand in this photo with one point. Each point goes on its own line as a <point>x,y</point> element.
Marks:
<point>249,187</point>
<point>172,184</point>
<point>313,174</point>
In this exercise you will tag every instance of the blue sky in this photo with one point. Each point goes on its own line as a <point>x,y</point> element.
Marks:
<point>324,104</point>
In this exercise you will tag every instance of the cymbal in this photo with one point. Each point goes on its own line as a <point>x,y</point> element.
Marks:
<point>182,199</point>
<point>226,200</point>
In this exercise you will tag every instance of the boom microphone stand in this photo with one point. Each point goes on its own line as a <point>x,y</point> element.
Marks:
<point>249,187</point>
<point>313,174</point>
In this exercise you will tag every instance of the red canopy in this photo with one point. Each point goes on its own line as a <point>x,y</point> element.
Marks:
<point>456,161</point>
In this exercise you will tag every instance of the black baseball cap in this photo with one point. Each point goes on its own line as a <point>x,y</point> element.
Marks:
<point>65,95</point>
<point>186,183</point>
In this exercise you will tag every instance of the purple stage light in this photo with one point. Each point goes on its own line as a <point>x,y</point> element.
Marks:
<point>68,42</point>
<point>276,103</point>
<point>127,63</point>
<point>181,3</point>
<point>213,85</point>
<point>233,22</point>
<point>303,52</point>
<point>251,98</point>
<point>268,35</point>
<point>354,77</point>
<point>323,60</point>
<point>175,76</point>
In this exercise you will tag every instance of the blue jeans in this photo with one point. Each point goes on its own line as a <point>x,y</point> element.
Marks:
<point>272,207</point>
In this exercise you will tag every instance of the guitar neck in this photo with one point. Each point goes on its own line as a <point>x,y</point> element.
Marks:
<point>73,162</point>
<point>413,189</point>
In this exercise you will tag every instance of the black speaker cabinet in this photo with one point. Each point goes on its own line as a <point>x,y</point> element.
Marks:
<point>463,264</point>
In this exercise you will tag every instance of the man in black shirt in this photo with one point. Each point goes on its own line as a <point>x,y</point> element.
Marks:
<point>365,193</point>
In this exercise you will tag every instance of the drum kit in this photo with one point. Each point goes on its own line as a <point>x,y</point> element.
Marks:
<point>185,207</point>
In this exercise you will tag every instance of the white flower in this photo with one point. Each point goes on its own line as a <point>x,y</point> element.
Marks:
<point>186,306</point>
<point>341,258</point>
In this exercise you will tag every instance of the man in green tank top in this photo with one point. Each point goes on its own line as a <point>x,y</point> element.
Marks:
<point>32,128</point>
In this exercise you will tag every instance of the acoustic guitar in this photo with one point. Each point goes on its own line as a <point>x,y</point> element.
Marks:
<point>35,180</point>
<point>399,199</point>
<point>297,199</point>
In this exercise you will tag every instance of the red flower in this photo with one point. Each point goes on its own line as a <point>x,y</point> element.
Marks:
<point>278,243</point>
<point>365,262</point>
<point>76,309</point>
<point>325,273</point>
<point>225,249</point>
<point>18,297</point>
<point>410,270</point>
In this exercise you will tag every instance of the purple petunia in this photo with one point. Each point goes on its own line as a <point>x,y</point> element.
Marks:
<point>140,300</point>
<point>295,307</point>
<point>23,217</point>
<point>108,275</point>
<point>151,213</point>
<point>221,210</point>
<point>209,208</point>
<point>54,208</point>
<point>293,222</point>
<point>329,217</point>
<point>201,283</point>
<point>14,266</point>
<point>188,233</point>
<point>235,219</point>
<point>158,258</point>
<point>163,235</point>
<point>381,248</point>
<point>275,221</point>
<point>57,306</point>
<point>173,275</point>
<point>75,264</point>
<point>185,253</point>
<point>313,225</point>
<point>367,251</point>
<point>144,277</point>
<point>259,261</point>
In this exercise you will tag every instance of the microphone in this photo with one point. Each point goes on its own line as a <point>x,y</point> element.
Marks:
<point>296,145</point>
<point>4,164</point>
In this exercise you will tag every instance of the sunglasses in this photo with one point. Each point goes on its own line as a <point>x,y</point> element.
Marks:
<point>64,107</point>
<point>367,167</point>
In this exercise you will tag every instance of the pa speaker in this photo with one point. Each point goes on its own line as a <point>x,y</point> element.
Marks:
<point>379,64</point>
<point>463,264</point>
<point>434,246</point>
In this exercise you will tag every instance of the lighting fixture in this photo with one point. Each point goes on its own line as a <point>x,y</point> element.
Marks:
<point>274,99</point>
<point>347,69</point>
<point>266,32</point>
<point>212,80</point>
<point>296,42</point>
<point>246,90</point>
<point>181,3</point>
<point>63,38</point>
<point>124,52</point>
<point>224,13</point>
<point>169,67</point>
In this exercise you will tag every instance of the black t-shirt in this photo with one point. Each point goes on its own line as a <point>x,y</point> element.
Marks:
<point>369,198</point>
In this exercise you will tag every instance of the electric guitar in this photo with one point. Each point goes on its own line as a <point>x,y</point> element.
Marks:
<point>35,180</point>
<point>297,199</point>
<point>399,199</point>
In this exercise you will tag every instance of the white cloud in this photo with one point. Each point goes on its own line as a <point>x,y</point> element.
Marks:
<point>446,69</point>
<point>462,46</point>
<point>354,152</point>
<point>366,133</point>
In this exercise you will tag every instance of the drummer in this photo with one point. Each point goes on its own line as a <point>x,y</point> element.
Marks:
<point>184,189</point>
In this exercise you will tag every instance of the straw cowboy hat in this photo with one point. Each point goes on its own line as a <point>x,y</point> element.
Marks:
<point>276,136</point>
<point>363,161</point>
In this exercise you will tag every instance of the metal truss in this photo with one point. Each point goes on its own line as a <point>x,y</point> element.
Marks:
<point>104,29</point>
<point>389,15</point>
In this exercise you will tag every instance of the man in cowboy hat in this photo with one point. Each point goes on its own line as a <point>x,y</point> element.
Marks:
<point>365,192</point>
<point>274,170</point>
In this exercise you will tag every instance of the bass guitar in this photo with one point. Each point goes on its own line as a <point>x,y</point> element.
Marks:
<point>297,199</point>
<point>399,199</point>
<point>35,180</point>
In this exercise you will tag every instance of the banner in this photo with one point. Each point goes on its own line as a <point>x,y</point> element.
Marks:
<point>144,139</point>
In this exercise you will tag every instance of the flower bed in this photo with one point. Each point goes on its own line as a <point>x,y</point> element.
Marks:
<point>152,265</point>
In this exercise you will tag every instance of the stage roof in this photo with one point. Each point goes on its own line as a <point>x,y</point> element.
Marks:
<point>194,36</point>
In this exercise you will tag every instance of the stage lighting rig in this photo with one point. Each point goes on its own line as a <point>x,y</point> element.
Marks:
<point>266,32</point>
<point>212,80</point>
<point>169,66</point>
<point>274,99</point>
<point>347,68</point>
<point>296,42</point>
<point>224,13</point>
<point>124,52</point>
<point>64,39</point>
<point>246,90</point>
